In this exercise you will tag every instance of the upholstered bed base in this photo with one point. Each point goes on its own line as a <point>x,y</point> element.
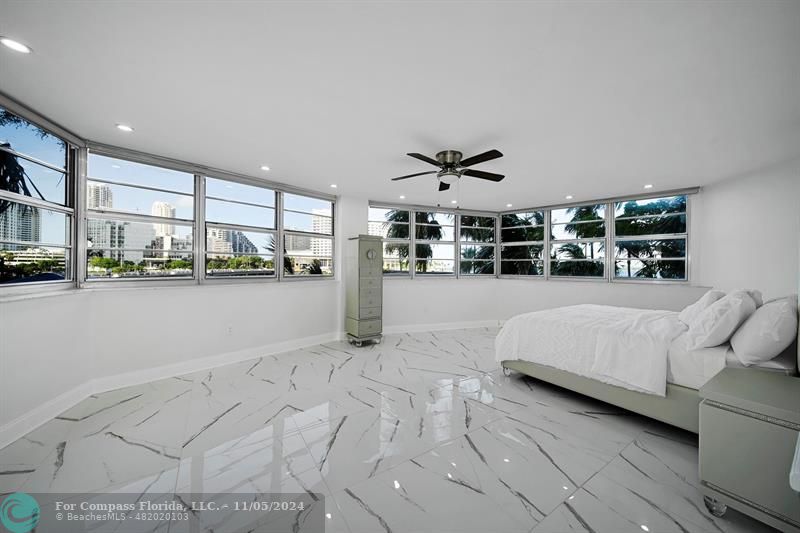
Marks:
<point>678,408</point>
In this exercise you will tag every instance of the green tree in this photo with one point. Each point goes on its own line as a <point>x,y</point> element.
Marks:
<point>662,217</point>
<point>315,268</point>
<point>524,259</point>
<point>432,231</point>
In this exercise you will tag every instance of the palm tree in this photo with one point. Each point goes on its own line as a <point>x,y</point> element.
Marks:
<point>516,228</point>
<point>288,266</point>
<point>315,267</point>
<point>398,222</point>
<point>13,177</point>
<point>575,262</point>
<point>648,251</point>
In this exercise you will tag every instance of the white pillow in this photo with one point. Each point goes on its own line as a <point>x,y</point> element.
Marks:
<point>719,321</point>
<point>755,294</point>
<point>691,312</point>
<point>771,329</point>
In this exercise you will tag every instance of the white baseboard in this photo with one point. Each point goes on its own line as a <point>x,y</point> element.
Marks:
<point>24,424</point>
<point>417,328</point>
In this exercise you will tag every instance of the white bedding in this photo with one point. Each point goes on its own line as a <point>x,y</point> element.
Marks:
<point>693,368</point>
<point>616,345</point>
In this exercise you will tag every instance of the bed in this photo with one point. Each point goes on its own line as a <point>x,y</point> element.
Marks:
<point>632,358</point>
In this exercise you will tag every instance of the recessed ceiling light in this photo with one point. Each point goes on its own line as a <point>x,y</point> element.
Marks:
<point>15,45</point>
<point>568,197</point>
<point>115,166</point>
<point>508,205</point>
<point>328,516</point>
<point>402,196</point>
<point>333,185</point>
<point>265,168</point>
<point>648,186</point>
<point>124,127</point>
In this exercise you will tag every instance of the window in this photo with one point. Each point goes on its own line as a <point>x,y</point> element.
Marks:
<point>240,230</point>
<point>522,248</point>
<point>36,205</point>
<point>140,220</point>
<point>308,236</point>
<point>650,238</point>
<point>434,244</point>
<point>393,226</point>
<point>477,244</point>
<point>577,245</point>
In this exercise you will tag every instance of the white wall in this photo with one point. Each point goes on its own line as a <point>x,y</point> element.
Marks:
<point>52,345</point>
<point>744,231</point>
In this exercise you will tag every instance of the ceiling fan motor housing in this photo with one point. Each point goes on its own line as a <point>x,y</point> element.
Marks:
<point>449,158</point>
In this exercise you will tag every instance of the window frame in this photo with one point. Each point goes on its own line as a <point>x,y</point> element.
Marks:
<point>407,241</point>
<point>685,236</point>
<point>112,214</point>
<point>456,243</point>
<point>461,243</point>
<point>551,241</point>
<point>610,238</point>
<point>283,232</point>
<point>545,243</point>
<point>74,147</point>
<point>199,226</point>
<point>238,227</point>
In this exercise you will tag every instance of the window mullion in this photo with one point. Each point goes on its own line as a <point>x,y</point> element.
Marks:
<point>279,241</point>
<point>457,240</point>
<point>546,254</point>
<point>199,247</point>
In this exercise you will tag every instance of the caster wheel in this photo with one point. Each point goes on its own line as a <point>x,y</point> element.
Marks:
<point>359,344</point>
<point>507,371</point>
<point>714,507</point>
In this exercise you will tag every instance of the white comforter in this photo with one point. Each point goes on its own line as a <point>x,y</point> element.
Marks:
<point>616,345</point>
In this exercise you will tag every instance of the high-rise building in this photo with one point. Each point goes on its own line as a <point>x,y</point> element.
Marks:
<point>98,195</point>
<point>21,223</point>
<point>218,241</point>
<point>321,224</point>
<point>164,210</point>
<point>241,244</point>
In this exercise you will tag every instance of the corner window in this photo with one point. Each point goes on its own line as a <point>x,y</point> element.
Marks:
<point>522,249</point>
<point>36,207</point>
<point>308,236</point>
<point>140,222</point>
<point>577,245</point>
<point>393,225</point>
<point>650,238</point>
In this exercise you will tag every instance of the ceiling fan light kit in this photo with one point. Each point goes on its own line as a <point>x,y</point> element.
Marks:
<point>452,167</point>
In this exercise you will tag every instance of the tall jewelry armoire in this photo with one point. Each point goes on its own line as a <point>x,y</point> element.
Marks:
<point>364,282</point>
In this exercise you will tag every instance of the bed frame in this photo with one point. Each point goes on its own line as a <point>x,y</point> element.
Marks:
<point>680,406</point>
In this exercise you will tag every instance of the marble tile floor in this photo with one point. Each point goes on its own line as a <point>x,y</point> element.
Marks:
<point>421,433</point>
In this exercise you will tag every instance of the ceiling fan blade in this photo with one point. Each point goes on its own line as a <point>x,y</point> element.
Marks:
<point>483,175</point>
<point>425,158</point>
<point>413,175</point>
<point>480,158</point>
<point>443,186</point>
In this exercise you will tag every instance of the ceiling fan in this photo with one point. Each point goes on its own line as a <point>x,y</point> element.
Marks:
<point>452,167</point>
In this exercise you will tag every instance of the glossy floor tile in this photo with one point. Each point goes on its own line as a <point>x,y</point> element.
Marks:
<point>420,433</point>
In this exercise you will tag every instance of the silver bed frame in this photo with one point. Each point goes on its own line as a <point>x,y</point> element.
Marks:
<point>680,406</point>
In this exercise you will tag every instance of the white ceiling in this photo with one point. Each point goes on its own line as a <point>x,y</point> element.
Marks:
<point>592,99</point>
